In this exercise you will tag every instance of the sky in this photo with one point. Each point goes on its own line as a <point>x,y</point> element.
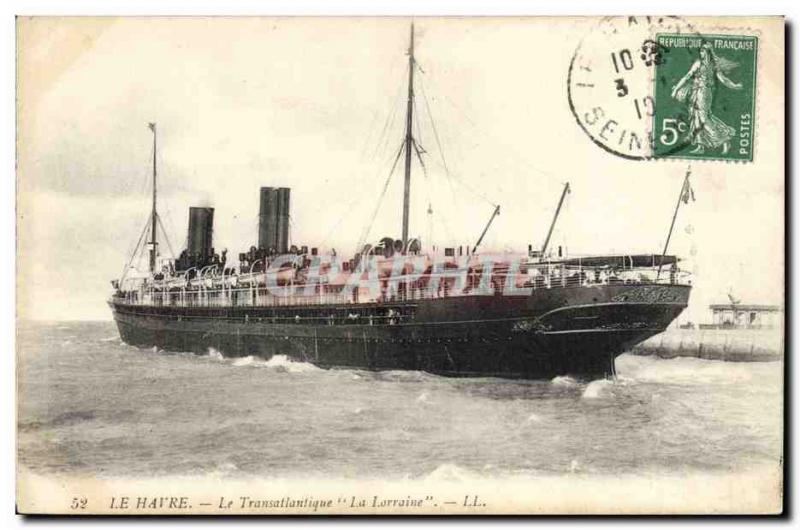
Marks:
<point>317,105</point>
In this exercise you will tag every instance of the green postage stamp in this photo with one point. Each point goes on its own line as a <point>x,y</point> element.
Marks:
<point>705,89</point>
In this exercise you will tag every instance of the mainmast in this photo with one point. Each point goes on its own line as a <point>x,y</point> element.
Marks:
<point>409,136</point>
<point>154,219</point>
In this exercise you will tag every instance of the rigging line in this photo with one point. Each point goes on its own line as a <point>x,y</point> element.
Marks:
<point>419,157</point>
<point>135,251</point>
<point>384,137</point>
<point>171,222</point>
<point>433,126</point>
<point>447,229</point>
<point>348,209</point>
<point>441,150</point>
<point>292,229</point>
<point>390,119</point>
<point>424,169</point>
<point>358,198</point>
<point>367,229</point>
<point>459,109</point>
<point>393,105</point>
<point>417,122</point>
<point>144,186</point>
<point>146,179</point>
<point>429,211</point>
<point>369,135</point>
<point>133,246</point>
<point>132,249</point>
<point>164,233</point>
<point>467,187</point>
<point>465,115</point>
<point>139,262</point>
<point>438,143</point>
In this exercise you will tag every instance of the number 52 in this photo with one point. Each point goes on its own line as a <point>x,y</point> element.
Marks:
<point>78,503</point>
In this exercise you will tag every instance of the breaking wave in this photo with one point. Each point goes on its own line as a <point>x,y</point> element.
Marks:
<point>564,380</point>
<point>689,370</point>
<point>276,363</point>
<point>403,376</point>
<point>282,363</point>
<point>246,361</point>
<point>597,389</point>
<point>451,473</point>
<point>215,354</point>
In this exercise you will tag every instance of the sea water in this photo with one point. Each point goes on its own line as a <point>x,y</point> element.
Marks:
<point>89,404</point>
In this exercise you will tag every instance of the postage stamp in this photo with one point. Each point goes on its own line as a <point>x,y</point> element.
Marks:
<point>705,97</point>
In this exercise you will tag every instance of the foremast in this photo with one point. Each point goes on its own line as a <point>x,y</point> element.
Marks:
<point>409,136</point>
<point>154,215</point>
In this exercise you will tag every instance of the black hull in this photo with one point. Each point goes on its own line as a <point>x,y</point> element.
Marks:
<point>576,331</point>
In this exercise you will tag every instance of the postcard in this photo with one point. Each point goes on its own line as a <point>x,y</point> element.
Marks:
<point>407,266</point>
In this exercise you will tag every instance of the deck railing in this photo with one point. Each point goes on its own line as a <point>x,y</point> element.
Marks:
<point>250,290</point>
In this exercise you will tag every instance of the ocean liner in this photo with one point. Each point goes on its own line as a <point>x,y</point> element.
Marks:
<point>396,305</point>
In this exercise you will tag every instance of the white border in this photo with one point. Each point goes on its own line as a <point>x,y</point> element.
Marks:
<point>10,8</point>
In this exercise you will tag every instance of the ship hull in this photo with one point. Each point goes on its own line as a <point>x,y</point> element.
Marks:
<point>575,331</point>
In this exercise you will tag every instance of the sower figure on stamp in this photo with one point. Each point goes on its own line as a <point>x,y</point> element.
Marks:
<point>705,129</point>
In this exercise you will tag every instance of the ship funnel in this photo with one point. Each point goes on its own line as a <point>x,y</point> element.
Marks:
<point>283,220</point>
<point>268,219</point>
<point>201,228</point>
<point>273,219</point>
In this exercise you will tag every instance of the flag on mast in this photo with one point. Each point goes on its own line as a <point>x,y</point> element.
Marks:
<point>688,192</point>
<point>152,126</point>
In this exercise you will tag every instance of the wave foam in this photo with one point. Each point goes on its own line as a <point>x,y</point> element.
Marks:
<point>215,354</point>
<point>690,370</point>
<point>245,361</point>
<point>451,473</point>
<point>282,363</point>
<point>422,398</point>
<point>597,389</point>
<point>534,418</point>
<point>403,376</point>
<point>563,380</point>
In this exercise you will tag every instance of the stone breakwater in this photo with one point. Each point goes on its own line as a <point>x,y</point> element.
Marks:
<point>736,345</point>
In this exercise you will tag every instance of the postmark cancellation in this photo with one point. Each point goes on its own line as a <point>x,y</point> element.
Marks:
<point>647,88</point>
